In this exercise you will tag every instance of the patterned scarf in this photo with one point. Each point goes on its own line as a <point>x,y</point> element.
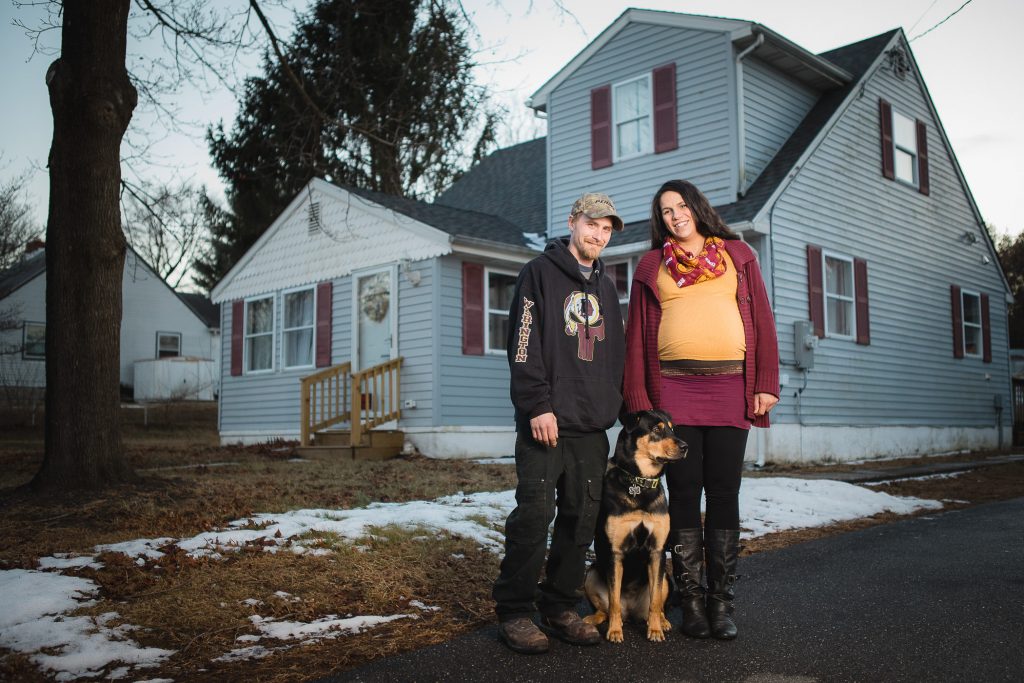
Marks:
<point>687,269</point>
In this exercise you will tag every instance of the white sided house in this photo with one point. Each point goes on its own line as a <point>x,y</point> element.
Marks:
<point>156,322</point>
<point>397,305</point>
<point>835,167</point>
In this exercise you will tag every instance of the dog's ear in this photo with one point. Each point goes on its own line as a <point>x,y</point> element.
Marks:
<point>630,421</point>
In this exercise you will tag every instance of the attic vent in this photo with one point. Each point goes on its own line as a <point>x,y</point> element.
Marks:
<point>314,217</point>
<point>899,62</point>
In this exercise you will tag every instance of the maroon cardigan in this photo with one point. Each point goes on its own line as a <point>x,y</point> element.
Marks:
<point>642,381</point>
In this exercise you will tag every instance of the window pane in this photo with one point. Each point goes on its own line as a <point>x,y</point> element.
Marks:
<point>839,317</point>
<point>838,277</point>
<point>298,309</point>
<point>904,132</point>
<point>497,331</point>
<point>168,345</point>
<point>260,316</point>
<point>35,341</point>
<point>972,309</point>
<point>627,101</point>
<point>905,166</point>
<point>499,291</point>
<point>260,351</point>
<point>619,273</point>
<point>299,347</point>
<point>972,340</point>
<point>629,138</point>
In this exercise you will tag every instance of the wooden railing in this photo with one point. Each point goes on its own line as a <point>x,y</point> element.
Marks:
<point>325,399</point>
<point>365,399</point>
<point>375,397</point>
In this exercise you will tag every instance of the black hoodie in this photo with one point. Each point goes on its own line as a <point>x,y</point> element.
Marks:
<point>562,360</point>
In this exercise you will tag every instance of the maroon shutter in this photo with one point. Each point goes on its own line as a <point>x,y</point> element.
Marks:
<point>958,321</point>
<point>815,290</point>
<point>601,127</point>
<point>323,324</point>
<point>237,336</point>
<point>472,309</point>
<point>922,158</point>
<point>860,286</point>
<point>885,116</point>
<point>665,121</point>
<point>986,331</point>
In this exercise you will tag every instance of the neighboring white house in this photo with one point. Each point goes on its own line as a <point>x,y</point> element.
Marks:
<point>835,167</point>
<point>156,322</point>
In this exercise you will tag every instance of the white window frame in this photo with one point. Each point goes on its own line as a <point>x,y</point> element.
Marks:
<point>24,340</point>
<point>285,330</point>
<point>852,299</point>
<point>167,334</point>
<point>647,143</point>
<point>629,280</point>
<point>488,310</point>
<point>246,336</point>
<point>964,293</point>
<point>912,151</point>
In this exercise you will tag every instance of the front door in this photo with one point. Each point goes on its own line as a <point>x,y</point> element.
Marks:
<point>374,313</point>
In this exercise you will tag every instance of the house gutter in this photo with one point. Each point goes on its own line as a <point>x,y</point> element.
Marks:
<point>741,128</point>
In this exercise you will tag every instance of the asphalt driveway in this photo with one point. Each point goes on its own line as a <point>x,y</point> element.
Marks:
<point>934,598</point>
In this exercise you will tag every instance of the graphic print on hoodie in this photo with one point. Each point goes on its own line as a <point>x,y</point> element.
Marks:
<point>566,349</point>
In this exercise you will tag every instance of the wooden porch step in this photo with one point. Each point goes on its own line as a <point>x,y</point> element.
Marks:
<point>377,445</point>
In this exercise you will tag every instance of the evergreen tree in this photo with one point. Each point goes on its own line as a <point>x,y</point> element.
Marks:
<point>1011,258</point>
<point>376,94</point>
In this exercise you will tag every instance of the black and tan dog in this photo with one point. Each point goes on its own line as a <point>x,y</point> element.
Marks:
<point>627,578</point>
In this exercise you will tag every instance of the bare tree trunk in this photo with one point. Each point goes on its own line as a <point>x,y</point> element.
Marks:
<point>92,101</point>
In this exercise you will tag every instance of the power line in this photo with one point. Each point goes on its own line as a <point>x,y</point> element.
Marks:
<point>942,22</point>
<point>934,2</point>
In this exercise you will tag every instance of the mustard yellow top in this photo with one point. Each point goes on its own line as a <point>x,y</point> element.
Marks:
<point>701,321</point>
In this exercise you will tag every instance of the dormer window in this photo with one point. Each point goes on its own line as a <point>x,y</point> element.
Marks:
<point>631,107</point>
<point>904,138</point>
<point>635,117</point>
<point>904,147</point>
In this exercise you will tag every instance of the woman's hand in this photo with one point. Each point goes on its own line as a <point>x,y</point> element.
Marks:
<point>763,403</point>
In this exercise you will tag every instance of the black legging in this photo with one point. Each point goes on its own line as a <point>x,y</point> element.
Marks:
<point>714,463</point>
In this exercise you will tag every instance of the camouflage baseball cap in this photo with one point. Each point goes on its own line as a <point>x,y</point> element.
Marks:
<point>596,205</point>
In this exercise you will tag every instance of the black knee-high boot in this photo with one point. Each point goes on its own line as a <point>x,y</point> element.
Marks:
<point>723,548</point>
<point>687,548</point>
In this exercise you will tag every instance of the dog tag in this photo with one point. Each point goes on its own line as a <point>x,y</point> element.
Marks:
<point>634,490</point>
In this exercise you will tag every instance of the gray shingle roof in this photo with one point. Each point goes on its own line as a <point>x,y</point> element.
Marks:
<point>510,182</point>
<point>455,221</point>
<point>205,310</point>
<point>22,272</point>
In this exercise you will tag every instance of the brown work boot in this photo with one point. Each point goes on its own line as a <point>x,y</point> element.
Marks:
<point>523,636</point>
<point>569,627</point>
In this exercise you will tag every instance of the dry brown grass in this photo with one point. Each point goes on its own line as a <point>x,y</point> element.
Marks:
<point>196,606</point>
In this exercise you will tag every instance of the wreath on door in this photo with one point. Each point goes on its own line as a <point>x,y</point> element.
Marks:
<point>374,296</point>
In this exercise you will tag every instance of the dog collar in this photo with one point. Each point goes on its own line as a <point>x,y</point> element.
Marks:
<point>637,484</point>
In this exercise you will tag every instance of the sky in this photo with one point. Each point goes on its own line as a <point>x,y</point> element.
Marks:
<point>37,606</point>
<point>970,63</point>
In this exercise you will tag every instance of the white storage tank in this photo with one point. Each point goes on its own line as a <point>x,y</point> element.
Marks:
<point>181,378</point>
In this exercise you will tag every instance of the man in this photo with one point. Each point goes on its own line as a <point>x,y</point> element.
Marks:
<point>566,352</point>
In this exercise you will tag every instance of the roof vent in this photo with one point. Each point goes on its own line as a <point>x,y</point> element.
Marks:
<point>314,217</point>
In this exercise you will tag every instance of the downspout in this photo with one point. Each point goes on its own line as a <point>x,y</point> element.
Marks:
<point>741,132</point>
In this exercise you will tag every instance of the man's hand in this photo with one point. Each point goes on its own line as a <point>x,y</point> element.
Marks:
<point>545,429</point>
<point>763,403</point>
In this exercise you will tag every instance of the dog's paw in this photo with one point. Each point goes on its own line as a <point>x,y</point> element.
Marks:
<point>655,635</point>
<point>595,619</point>
<point>614,635</point>
<point>665,623</point>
